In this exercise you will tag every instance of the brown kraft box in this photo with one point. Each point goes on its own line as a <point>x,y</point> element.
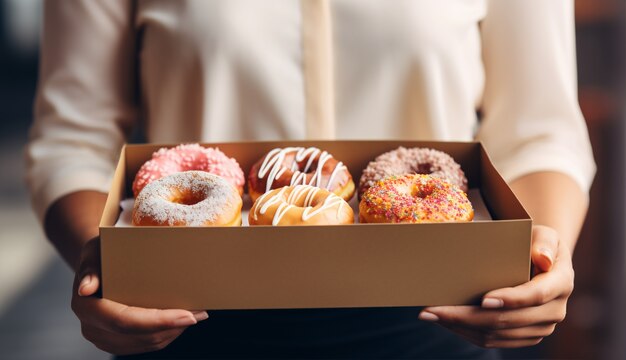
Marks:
<point>359,265</point>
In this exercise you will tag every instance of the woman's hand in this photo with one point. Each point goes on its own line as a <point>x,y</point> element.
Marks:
<point>522,315</point>
<point>117,328</point>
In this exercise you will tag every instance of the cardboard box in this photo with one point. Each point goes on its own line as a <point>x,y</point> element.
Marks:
<point>360,265</point>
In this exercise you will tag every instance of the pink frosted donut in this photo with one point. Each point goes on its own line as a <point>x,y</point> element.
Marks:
<point>188,157</point>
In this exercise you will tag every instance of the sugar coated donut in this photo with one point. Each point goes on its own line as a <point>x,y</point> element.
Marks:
<point>414,199</point>
<point>413,161</point>
<point>300,205</point>
<point>190,198</point>
<point>300,166</point>
<point>188,157</point>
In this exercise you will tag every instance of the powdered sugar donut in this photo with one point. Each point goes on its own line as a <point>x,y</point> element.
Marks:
<point>189,157</point>
<point>190,198</point>
<point>413,161</point>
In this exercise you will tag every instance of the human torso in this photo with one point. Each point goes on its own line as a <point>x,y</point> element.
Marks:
<point>236,70</point>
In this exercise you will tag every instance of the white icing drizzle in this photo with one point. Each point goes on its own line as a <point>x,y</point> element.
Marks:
<point>268,199</point>
<point>273,166</point>
<point>328,203</point>
<point>281,172</point>
<point>271,200</point>
<point>282,210</point>
<point>339,166</point>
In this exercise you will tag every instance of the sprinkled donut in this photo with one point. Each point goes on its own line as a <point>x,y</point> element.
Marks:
<point>300,166</point>
<point>300,205</point>
<point>190,198</point>
<point>414,198</point>
<point>188,157</point>
<point>413,161</point>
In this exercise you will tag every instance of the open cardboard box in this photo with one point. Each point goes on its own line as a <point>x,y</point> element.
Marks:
<point>360,265</point>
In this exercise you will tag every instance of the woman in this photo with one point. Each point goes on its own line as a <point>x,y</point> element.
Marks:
<point>319,69</point>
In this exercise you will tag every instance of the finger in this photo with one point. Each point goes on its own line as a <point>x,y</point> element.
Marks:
<point>129,319</point>
<point>476,317</point>
<point>166,337</point>
<point>200,315</point>
<point>543,288</point>
<point>472,335</point>
<point>130,344</point>
<point>535,331</point>
<point>483,335</point>
<point>545,243</point>
<point>90,256</point>
<point>119,318</point>
<point>87,279</point>
<point>509,344</point>
<point>89,284</point>
<point>494,340</point>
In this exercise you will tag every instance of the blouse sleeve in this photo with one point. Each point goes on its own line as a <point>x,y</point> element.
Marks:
<point>84,106</point>
<point>531,118</point>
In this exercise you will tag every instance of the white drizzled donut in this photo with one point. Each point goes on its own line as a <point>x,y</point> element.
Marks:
<point>300,205</point>
<point>273,167</point>
<point>300,166</point>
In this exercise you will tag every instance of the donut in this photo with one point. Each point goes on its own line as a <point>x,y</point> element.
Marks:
<point>300,166</point>
<point>413,161</point>
<point>188,157</point>
<point>414,198</point>
<point>190,198</point>
<point>300,205</point>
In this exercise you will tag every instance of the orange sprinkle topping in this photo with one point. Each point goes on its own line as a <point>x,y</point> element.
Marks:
<point>416,198</point>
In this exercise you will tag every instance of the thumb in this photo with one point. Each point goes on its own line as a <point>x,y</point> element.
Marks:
<point>88,274</point>
<point>545,243</point>
<point>89,284</point>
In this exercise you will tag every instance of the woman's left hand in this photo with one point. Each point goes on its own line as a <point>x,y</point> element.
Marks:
<point>522,315</point>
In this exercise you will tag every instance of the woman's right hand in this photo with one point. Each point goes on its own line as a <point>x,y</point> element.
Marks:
<point>117,328</point>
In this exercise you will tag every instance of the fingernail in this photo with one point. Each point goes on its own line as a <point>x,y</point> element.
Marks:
<point>185,321</point>
<point>428,316</point>
<point>200,315</point>
<point>491,303</point>
<point>547,253</point>
<point>84,282</point>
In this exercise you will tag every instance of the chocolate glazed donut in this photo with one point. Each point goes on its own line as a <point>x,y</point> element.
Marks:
<point>300,166</point>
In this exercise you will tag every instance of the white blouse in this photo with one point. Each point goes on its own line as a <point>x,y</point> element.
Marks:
<point>231,70</point>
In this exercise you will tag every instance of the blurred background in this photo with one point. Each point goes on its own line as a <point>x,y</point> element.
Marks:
<point>35,317</point>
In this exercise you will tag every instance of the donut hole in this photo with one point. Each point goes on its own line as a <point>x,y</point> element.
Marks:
<point>311,170</point>
<point>421,192</point>
<point>186,197</point>
<point>301,167</point>
<point>424,169</point>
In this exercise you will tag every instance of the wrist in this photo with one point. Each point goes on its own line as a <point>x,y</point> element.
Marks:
<point>72,221</point>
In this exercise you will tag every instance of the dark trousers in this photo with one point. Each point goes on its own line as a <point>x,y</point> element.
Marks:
<point>319,333</point>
